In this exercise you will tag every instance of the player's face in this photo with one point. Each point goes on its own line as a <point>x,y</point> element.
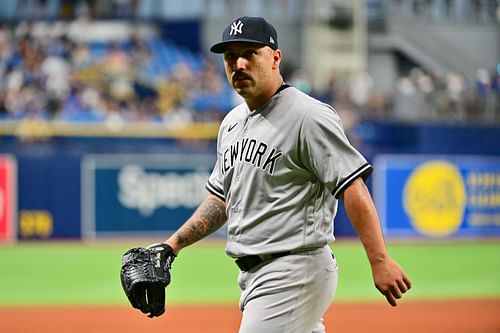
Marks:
<point>250,69</point>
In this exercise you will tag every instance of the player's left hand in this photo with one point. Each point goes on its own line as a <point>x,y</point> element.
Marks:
<point>390,279</point>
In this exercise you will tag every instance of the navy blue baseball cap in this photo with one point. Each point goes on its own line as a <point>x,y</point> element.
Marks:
<point>248,29</point>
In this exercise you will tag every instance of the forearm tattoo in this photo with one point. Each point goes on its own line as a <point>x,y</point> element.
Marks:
<point>209,216</point>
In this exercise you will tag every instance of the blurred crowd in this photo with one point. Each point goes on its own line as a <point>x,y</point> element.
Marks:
<point>477,11</point>
<point>419,96</point>
<point>54,77</point>
<point>449,97</point>
<point>143,78</point>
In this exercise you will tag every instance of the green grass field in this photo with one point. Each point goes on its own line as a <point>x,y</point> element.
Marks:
<point>76,273</point>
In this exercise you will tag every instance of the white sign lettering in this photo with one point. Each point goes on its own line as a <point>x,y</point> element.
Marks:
<point>149,191</point>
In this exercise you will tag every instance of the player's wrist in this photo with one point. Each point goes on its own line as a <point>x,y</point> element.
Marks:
<point>174,245</point>
<point>378,258</point>
<point>163,247</point>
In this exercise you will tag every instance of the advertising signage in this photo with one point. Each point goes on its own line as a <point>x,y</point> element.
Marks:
<point>438,196</point>
<point>141,195</point>
<point>8,198</point>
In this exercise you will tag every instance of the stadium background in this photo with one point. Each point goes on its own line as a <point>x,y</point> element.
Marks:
<point>108,117</point>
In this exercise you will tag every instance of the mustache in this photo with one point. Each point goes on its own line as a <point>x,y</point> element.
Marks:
<point>241,76</point>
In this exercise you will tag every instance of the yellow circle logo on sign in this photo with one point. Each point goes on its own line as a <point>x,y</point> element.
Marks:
<point>434,198</point>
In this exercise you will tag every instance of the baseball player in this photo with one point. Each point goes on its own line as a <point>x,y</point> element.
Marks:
<point>283,162</point>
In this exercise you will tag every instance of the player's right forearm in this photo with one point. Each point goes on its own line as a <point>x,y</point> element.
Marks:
<point>208,217</point>
<point>363,216</point>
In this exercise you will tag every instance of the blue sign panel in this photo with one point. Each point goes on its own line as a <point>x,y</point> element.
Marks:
<point>48,196</point>
<point>438,196</point>
<point>139,195</point>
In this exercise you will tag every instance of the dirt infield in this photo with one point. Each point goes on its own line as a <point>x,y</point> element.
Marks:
<point>462,316</point>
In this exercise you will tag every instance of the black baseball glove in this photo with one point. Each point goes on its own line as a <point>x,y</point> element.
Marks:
<point>144,274</point>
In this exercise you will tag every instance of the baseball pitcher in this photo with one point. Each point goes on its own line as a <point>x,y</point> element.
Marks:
<point>283,162</point>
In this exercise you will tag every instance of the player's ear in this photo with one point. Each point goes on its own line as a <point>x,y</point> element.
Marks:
<point>277,56</point>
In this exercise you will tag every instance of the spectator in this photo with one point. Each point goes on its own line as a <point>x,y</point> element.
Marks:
<point>456,87</point>
<point>300,81</point>
<point>329,94</point>
<point>360,85</point>
<point>408,100</point>
<point>485,91</point>
<point>56,70</point>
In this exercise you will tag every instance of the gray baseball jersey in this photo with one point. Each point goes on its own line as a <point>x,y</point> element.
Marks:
<point>280,170</point>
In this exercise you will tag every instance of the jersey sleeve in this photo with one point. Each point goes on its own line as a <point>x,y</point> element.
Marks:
<point>327,152</point>
<point>215,184</point>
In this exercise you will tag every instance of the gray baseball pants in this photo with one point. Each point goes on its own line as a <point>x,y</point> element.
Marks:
<point>289,294</point>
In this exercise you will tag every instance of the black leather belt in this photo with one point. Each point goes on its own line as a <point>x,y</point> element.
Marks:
<point>248,262</point>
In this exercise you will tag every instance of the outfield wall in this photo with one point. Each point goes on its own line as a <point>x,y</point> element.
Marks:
<point>82,187</point>
<point>141,194</point>
<point>438,196</point>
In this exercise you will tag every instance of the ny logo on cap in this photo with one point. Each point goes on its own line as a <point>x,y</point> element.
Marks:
<point>236,28</point>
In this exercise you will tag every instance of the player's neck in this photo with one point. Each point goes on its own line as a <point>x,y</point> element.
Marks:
<point>258,101</point>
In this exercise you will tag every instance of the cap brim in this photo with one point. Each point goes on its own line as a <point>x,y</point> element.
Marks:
<point>221,47</point>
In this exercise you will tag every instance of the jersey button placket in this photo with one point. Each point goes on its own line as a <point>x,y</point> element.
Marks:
<point>235,209</point>
<point>245,125</point>
<point>237,176</point>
